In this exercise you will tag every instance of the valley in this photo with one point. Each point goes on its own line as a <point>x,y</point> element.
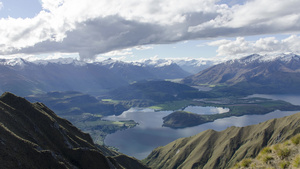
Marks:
<point>112,84</point>
<point>144,111</point>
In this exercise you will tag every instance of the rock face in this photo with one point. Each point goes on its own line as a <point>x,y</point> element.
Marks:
<point>212,149</point>
<point>32,136</point>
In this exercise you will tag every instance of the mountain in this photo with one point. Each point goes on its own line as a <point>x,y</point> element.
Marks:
<point>32,136</point>
<point>27,78</point>
<point>213,149</point>
<point>256,73</point>
<point>154,91</point>
<point>24,78</point>
<point>136,71</point>
<point>189,65</point>
<point>195,65</point>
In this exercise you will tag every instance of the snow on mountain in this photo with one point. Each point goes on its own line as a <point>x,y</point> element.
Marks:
<point>187,64</point>
<point>285,57</point>
<point>12,62</point>
<point>254,74</point>
<point>62,61</point>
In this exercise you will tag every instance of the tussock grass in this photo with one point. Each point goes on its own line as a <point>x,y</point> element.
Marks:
<point>283,155</point>
<point>284,164</point>
<point>296,161</point>
<point>283,152</point>
<point>266,150</point>
<point>296,140</point>
<point>267,159</point>
<point>246,162</point>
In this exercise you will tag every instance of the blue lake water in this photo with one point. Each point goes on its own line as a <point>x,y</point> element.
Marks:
<point>149,134</point>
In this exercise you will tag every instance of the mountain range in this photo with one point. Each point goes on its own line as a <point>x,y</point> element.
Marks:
<point>253,74</point>
<point>24,78</point>
<point>33,137</point>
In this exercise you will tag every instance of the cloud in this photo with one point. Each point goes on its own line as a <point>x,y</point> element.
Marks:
<point>1,5</point>
<point>241,47</point>
<point>93,27</point>
<point>51,5</point>
<point>119,52</point>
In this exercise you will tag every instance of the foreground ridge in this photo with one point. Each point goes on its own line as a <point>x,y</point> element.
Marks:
<point>212,149</point>
<point>32,136</point>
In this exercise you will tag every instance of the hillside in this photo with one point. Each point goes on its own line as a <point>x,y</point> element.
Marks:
<point>32,136</point>
<point>283,155</point>
<point>256,73</point>
<point>212,149</point>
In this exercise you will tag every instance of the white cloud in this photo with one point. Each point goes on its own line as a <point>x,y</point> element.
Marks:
<point>92,27</point>
<point>51,5</point>
<point>118,52</point>
<point>144,47</point>
<point>241,47</point>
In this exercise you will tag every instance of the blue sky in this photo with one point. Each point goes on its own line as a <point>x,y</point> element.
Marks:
<point>135,30</point>
<point>20,8</point>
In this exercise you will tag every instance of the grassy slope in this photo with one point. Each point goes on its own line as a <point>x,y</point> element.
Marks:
<point>212,149</point>
<point>283,155</point>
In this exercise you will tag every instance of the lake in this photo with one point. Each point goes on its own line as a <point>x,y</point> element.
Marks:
<point>149,134</point>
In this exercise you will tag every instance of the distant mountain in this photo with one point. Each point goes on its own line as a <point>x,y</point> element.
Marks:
<point>152,91</point>
<point>23,77</point>
<point>194,65</point>
<point>32,136</point>
<point>253,74</point>
<point>189,65</point>
<point>136,71</point>
<point>211,149</point>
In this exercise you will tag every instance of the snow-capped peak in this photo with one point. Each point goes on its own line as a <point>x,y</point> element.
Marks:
<point>12,62</point>
<point>283,57</point>
<point>62,61</point>
<point>156,62</point>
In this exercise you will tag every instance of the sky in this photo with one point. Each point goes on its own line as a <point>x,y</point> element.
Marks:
<point>142,29</point>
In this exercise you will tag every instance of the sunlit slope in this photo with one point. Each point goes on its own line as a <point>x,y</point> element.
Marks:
<point>283,155</point>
